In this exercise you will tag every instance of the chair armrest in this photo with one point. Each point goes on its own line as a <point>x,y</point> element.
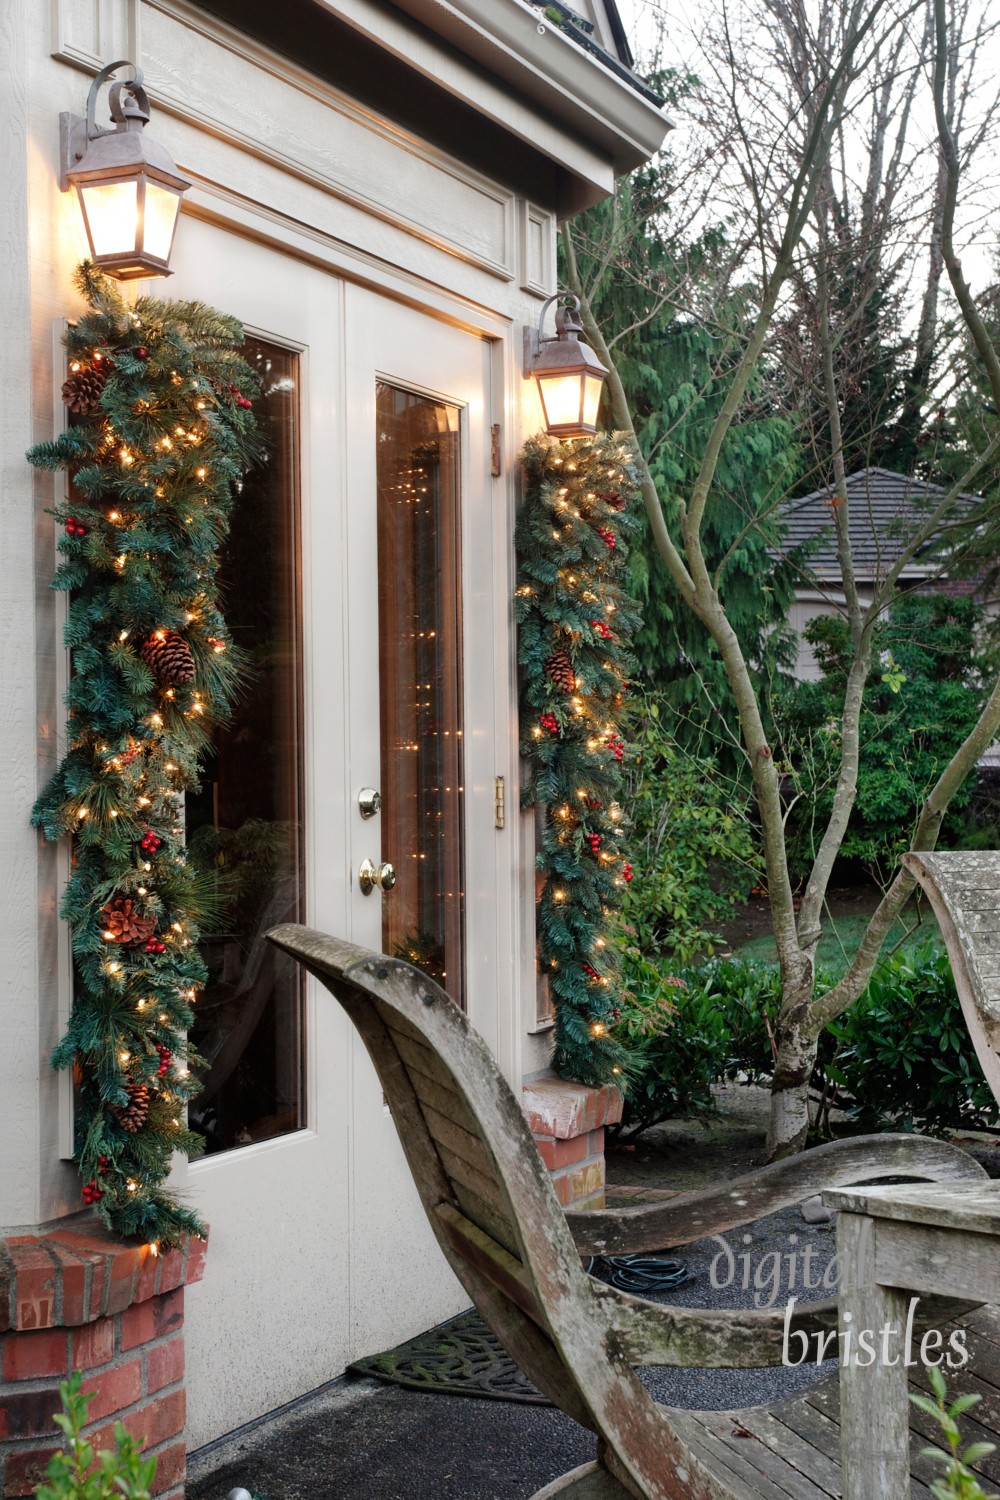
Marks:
<point>653,1333</point>
<point>694,1216</point>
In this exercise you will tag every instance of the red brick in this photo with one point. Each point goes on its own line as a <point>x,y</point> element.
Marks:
<point>562,1190</point>
<point>29,1355</point>
<point>92,1252</point>
<point>115,1389</point>
<point>556,1154</point>
<point>195,1268</point>
<point>587,1180</point>
<point>24,1469</point>
<point>164,1364</point>
<point>161,1419</point>
<point>138,1325</point>
<point>556,1107</point>
<point>170,1468</point>
<point>75,1307</point>
<point>595,1142</point>
<point>124,1271</point>
<point>35,1293</point>
<point>29,1413</point>
<point>149,1268</point>
<point>171,1270</point>
<point>94,1344</point>
<point>168,1311</point>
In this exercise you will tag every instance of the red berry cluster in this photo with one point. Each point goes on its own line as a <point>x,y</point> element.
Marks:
<point>140,353</point>
<point>75,527</point>
<point>91,1192</point>
<point>628,874</point>
<point>153,945</point>
<point>607,536</point>
<point>239,397</point>
<point>593,842</point>
<point>616,747</point>
<point>589,970</point>
<point>166,1059</point>
<point>603,629</point>
<point>103,1163</point>
<point>150,841</point>
<point>549,722</point>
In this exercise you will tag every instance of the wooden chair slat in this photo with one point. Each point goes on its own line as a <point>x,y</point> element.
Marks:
<point>490,1259</point>
<point>486,1216</point>
<point>445,1102</point>
<point>484,1187</point>
<point>458,1141</point>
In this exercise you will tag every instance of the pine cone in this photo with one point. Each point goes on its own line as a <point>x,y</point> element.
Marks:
<point>168,656</point>
<point>559,669</point>
<point>132,1116</point>
<point>81,391</point>
<point>122,920</point>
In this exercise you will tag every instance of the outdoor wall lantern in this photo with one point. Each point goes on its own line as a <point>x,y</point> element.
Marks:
<point>568,373</point>
<point>129,188</point>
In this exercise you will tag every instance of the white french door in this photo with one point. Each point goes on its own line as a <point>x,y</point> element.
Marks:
<point>319,1251</point>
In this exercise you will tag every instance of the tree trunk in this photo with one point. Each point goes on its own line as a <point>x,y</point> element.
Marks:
<point>797,1045</point>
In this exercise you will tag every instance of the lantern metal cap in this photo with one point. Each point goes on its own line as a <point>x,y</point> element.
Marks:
<point>564,354</point>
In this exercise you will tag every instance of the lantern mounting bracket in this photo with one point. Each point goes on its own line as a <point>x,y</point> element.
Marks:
<point>568,325</point>
<point>77,131</point>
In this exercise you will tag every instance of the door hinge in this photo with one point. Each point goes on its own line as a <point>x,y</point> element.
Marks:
<point>499,802</point>
<point>495,463</point>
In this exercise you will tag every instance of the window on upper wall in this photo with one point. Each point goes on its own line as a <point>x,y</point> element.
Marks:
<point>244,826</point>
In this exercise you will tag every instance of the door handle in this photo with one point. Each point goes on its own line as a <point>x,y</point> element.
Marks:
<point>371,875</point>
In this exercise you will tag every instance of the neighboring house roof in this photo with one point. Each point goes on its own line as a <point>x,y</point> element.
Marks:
<point>884,511</point>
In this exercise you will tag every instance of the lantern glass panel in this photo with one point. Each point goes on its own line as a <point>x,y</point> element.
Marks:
<point>110,212</point>
<point>561,399</point>
<point>592,387</point>
<point>159,219</point>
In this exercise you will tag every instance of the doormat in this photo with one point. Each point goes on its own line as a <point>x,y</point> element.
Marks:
<point>459,1358</point>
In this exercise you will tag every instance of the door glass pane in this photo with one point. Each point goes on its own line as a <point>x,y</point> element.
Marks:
<point>245,825</point>
<point>420,655</point>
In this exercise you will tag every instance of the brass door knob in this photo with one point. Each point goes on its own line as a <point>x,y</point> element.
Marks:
<point>371,875</point>
<point>369,801</point>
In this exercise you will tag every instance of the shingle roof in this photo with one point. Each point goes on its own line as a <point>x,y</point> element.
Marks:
<point>885,510</point>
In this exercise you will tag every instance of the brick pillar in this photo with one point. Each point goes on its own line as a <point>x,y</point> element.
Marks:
<point>567,1121</point>
<point>78,1299</point>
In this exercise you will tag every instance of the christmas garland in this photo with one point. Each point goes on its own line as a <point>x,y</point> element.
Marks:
<point>164,433</point>
<point>576,626</point>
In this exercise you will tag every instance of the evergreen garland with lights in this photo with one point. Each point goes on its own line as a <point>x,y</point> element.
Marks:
<point>576,627</point>
<point>164,434</point>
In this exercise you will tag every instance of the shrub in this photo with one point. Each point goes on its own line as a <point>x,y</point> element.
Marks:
<point>677,1045</point>
<point>903,1051</point>
<point>900,1058</point>
<point>121,1473</point>
<point>690,841</point>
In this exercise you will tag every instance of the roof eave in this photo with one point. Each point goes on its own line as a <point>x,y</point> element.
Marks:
<point>512,40</point>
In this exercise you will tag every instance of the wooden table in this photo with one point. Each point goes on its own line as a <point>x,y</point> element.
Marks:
<point>893,1245</point>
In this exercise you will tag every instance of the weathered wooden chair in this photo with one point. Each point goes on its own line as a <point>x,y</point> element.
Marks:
<point>964,895</point>
<point>489,1199</point>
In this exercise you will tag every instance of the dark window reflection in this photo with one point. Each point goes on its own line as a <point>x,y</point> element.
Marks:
<point>245,825</point>
<point>420,649</point>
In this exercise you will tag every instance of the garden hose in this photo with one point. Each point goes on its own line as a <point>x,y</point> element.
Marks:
<point>638,1273</point>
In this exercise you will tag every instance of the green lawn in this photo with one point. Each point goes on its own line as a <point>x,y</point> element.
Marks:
<point>841,938</point>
